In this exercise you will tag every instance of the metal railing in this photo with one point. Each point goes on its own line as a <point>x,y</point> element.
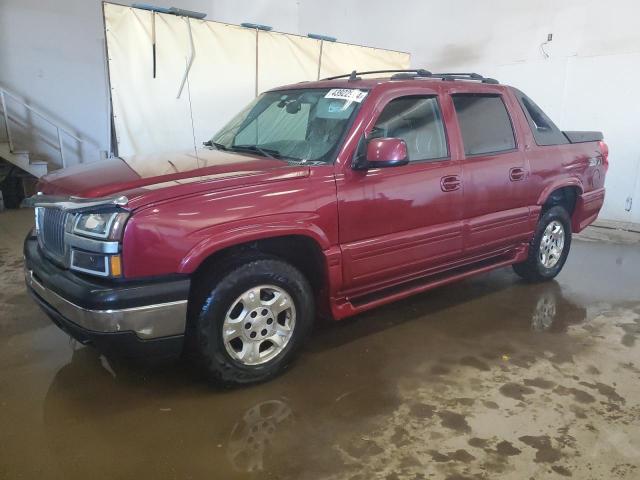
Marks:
<point>61,132</point>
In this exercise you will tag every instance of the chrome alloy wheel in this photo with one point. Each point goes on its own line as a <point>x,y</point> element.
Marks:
<point>259,324</point>
<point>552,244</point>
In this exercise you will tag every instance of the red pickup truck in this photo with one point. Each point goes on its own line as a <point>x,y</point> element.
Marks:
<point>320,198</point>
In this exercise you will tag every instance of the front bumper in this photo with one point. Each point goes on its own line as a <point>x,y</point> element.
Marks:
<point>132,317</point>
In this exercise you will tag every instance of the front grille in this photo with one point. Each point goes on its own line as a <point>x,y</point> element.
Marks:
<point>52,224</point>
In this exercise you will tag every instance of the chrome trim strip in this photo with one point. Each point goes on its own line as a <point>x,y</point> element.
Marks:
<point>74,204</point>
<point>148,321</point>
<point>96,246</point>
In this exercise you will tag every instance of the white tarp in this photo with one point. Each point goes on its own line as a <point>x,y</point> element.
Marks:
<point>147,115</point>
<point>341,58</point>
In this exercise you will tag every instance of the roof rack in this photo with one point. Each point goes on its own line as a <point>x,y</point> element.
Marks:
<point>354,75</point>
<point>417,73</point>
<point>466,76</point>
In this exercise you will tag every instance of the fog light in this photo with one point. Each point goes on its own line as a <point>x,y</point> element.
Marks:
<point>87,262</point>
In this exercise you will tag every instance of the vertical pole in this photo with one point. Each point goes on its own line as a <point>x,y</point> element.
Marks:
<point>153,40</point>
<point>257,33</point>
<point>6,119</point>
<point>320,59</point>
<point>192,56</point>
<point>64,163</point>
<point>113,147</point>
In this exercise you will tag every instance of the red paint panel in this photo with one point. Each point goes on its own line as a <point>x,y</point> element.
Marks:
<point>176,236</point>
<point>588,206</point>
<point>391,255</point>
<point>504,228</point>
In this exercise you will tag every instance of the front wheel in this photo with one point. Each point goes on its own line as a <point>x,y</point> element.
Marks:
<point>253,321</point>
<point>550,247</point>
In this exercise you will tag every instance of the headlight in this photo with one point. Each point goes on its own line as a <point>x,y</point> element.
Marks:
<point>106,225</point>
<point>99,254</point>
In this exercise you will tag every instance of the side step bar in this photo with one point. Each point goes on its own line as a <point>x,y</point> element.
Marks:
<point>368,301</point>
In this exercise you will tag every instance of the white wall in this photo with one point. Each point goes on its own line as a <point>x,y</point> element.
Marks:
<point>281,15</point>
<point>52,52</point>
<point>589,82</point>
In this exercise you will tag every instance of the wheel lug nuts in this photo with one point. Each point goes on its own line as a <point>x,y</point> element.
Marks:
<point>270,321</point>
<point>264,332</point>
<point>253,335</point>
<point>254,314</point>
<point>247,325</point>
<point>264,311</point>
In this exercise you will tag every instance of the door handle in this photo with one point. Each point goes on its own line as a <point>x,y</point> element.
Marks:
<point>516,174</point>
<point>450,183</point>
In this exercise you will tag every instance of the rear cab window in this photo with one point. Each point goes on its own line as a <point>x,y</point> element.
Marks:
<point>484,123</point>
<point>544,130</point>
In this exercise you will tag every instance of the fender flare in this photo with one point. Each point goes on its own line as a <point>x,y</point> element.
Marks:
<point>258,231</point>
<point>552,187</point>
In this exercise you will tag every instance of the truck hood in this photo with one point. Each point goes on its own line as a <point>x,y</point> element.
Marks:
<point>148,178</point>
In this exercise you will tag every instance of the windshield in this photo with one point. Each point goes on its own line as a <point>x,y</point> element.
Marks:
<point>302,125</point>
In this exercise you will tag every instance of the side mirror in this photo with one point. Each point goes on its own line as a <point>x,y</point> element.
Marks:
<point>384,152</point>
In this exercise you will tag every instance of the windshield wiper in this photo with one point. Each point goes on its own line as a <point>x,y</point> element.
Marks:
<point>211,143</point>
<point>267,152</point>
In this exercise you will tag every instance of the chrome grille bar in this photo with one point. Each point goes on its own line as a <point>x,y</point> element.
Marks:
<point>52,231</point>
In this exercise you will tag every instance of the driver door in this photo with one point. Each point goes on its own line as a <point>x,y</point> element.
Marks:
<point>402,222</point>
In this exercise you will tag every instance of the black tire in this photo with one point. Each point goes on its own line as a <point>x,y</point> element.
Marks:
<point>12,191</point>
<point>211,353</point>
<point>532,269</point>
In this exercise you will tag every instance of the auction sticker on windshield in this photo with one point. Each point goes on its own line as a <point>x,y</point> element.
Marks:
<point>348,94</point>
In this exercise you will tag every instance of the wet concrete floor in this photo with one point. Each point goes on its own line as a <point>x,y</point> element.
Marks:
<point>488,378</point>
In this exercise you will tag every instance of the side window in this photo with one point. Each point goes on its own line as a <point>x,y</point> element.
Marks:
<point>544,130</point>
<point>416,120</point>
<point>484,123</point>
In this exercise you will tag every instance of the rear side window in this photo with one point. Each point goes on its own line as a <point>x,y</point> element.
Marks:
<point>416,120</point>
<point>484,123</point>
<point>544,130</point>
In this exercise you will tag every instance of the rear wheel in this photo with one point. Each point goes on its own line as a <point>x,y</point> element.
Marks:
<point>253,321</point>
<point>550,247</point>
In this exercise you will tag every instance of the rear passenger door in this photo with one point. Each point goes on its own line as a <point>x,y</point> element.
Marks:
<point>495,174</point>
